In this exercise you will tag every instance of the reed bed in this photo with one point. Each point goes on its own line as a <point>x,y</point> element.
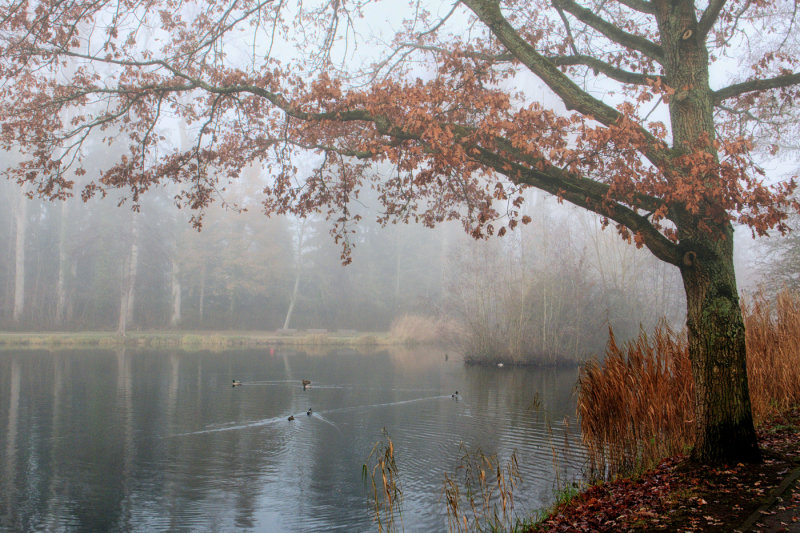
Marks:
<point>636,406</point>
<point>204,340</point>
<point>413,330</point>
<point>773,353</point>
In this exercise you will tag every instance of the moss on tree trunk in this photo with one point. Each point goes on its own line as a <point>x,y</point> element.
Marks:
<point>724,422</point>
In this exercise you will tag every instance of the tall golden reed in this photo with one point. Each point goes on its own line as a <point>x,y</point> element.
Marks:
<point>773,353</point>
<point>636,406</point>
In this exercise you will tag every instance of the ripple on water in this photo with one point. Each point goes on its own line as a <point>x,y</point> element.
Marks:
<point>192,453</point>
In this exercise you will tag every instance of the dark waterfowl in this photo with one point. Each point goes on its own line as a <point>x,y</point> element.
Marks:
<point>455,396</point>
<point>308,412</point>
<point>291,417</point>
<point>306,383</point>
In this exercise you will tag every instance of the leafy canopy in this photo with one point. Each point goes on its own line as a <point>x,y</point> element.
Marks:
<point>466,102</point>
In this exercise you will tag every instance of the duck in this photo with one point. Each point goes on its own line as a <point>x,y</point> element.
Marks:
<point>455,396</point>
<point>308,412</point>
<point>500,365</point>
<point>306,383</point>
<point>291,417</point>
<point>236,382</point>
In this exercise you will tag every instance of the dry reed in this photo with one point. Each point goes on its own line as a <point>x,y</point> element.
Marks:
<point>636,406</point>
<point>380,473</point>
<point>773,353</point>
<point>412,329</point>
<point>484,498</point>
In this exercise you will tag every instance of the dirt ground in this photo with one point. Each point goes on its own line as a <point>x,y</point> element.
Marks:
<point>680,496</point>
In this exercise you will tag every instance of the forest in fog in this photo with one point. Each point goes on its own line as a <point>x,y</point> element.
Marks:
<point>552,287</point>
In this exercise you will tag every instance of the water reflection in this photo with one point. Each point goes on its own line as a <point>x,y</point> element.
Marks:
<point>142,440</point>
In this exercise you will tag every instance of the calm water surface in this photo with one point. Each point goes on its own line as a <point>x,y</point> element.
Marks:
<point>133,440</point>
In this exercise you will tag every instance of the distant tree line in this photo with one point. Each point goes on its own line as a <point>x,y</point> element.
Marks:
<point>76,267</point>
<point>550,290</point>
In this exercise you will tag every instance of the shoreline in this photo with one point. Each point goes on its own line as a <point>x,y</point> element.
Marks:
<point>196,339</point>
<point>678,495</point>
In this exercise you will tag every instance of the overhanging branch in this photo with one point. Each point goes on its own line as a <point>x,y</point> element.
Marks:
<point>573,97</point>
<point>572,189</point>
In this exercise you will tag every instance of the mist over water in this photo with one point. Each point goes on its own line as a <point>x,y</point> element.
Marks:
<point>145,440</point>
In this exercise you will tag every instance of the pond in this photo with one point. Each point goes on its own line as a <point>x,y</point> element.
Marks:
<point>133,440</point>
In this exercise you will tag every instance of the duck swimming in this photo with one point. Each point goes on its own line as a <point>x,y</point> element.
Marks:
<point>308,412</point>
<point>306,383</point>
<point>455,396</point>
<point>291,417</point>
<point>236,383</point>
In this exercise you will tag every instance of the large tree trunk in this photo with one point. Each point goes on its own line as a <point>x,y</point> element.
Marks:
<point>723,416</point>
<point>723,419</point>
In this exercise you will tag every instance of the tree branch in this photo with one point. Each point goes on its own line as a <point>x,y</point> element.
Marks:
<point>573,97</point>
<point>583,193</point>
<point>566,27</point>
<point>615,73</point>
<point>737,89</point>
<point>482,56</point>
<point>709,18</point>
<point>628,40</point>
<point>642,6</point>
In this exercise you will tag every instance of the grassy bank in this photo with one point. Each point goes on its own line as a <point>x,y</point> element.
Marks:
<point>194,340</point>
<point>408,330</point>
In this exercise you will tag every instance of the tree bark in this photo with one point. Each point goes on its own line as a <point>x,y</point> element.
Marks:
<point>61,287</point>
<point>298,268</point>
<point>175,317</point>
<point>723,417</point>
<point>129,280</point>
<point>21,225</point>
